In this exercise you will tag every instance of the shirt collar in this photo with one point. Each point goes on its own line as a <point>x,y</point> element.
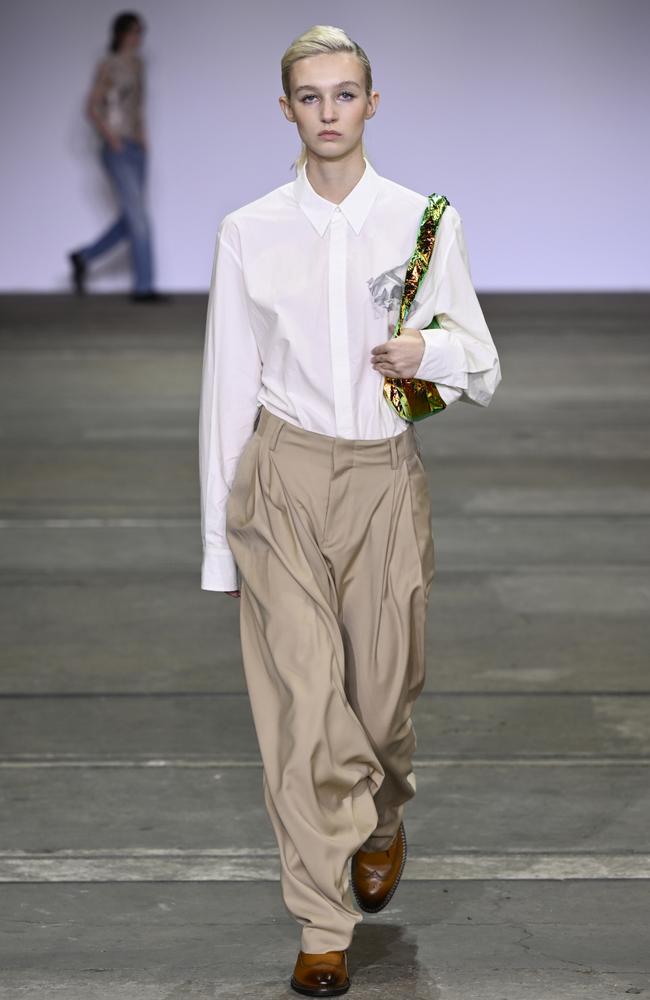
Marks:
<point>355,206</point>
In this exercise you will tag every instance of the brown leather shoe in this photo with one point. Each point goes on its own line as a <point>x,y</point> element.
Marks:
<point>376,874</point>
<point>321,975</point>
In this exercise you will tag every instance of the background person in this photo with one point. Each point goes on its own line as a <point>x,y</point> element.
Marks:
<point>115,107</point>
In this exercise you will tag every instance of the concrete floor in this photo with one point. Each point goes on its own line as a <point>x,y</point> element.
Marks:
<point>137,858</point>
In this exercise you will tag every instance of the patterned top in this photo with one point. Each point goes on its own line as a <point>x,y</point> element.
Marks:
<point>122,108</point>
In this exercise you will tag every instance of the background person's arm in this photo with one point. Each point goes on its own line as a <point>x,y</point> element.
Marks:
<point>142,126</point>
<point>95,103</point>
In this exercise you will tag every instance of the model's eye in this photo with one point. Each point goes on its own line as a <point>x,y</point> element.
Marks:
<point>344,93</point>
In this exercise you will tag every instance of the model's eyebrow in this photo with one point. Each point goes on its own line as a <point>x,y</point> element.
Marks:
<point>344,83</point>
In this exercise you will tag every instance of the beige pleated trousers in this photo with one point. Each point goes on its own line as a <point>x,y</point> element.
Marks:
<point>333,541</point>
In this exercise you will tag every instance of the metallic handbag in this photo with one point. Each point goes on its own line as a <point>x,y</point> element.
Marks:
<point>416,398</point>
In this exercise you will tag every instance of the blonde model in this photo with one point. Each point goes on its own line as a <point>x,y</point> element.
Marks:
<point>316,511</point>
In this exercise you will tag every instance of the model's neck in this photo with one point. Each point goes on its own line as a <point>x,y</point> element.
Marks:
<point>334,179</point>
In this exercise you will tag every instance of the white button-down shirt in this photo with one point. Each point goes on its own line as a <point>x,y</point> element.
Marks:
<point>302,290</point>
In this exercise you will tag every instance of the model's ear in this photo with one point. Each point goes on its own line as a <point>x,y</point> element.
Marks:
<point>373,103</point>
<point>286,108</point>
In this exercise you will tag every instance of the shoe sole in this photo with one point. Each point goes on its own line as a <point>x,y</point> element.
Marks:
<point>376,909</point>
<point>333,992</point>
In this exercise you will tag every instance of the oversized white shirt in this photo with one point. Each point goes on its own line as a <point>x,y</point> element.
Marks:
<point>301,291</point>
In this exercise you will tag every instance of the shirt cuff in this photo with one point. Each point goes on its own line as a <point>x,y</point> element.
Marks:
<point>219,571</point>
<point>448,393</point>
<point>443,359</point>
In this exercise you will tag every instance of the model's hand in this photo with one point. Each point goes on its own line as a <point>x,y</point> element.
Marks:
<point>399,357</point>
<point>234,593</point>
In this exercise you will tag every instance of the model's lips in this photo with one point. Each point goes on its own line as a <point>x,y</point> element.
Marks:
<point>329,134</point>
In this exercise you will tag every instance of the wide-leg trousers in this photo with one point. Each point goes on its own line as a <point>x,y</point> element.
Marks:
<point>332,537</point>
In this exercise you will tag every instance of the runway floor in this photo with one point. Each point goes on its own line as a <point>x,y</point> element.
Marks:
<point>137,858</point>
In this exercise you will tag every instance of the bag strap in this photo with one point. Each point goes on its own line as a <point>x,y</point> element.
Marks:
<point>421,256</point>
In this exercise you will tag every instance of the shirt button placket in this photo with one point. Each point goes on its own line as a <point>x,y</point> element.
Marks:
<point>338,324</point>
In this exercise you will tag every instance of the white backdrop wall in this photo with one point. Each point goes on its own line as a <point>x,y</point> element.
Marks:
<point>532,117</point>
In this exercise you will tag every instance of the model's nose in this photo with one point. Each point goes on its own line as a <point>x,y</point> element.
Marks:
<point>329,112</point>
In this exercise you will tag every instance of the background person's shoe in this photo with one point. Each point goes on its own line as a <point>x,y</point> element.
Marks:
<point>151,296</point>
<point>321,975</point>
<point>375,875</point>
<point>78,265</point>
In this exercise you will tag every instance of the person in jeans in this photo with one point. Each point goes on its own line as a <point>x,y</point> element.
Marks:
<point>114,106</point>
<point>315,503</point>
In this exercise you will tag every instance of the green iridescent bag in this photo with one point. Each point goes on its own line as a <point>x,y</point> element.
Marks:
<point>415,398</point>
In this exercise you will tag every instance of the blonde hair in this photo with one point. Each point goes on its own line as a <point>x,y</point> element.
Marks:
<point>318,39</point>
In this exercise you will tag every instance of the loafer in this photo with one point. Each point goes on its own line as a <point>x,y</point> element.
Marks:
<point>321,975</point>
<point>375,874</point>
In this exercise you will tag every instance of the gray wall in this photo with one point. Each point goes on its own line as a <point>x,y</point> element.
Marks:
<point>531,117</point>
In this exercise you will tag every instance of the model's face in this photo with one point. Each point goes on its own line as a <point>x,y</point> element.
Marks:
<point>328,92</point>
<point>131,39</point>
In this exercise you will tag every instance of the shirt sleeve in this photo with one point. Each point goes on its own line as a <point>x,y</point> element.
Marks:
<point>229,387</point>
<point>101,81</point>
<point>102,72</point>
<point>460,356</point>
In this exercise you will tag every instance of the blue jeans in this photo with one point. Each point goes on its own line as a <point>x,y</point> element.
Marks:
<point>127,170</point>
